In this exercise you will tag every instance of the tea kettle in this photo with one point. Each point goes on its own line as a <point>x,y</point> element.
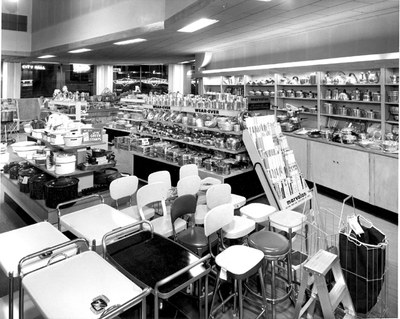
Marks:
<point>373,77</point>
<point>351,79</point>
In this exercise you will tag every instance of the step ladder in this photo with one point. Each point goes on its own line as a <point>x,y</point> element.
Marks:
<point>318,266</point>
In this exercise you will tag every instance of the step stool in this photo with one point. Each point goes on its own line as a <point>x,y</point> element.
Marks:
<point>319,265</point>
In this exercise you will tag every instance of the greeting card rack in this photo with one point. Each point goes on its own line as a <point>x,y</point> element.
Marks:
<point>274,163</point>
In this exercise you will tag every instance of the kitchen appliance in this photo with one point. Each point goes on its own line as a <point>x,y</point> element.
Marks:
<point>60,190</point>
<point>36,185</point>
<point>65,163</point>
<point>23,178</point>
<point>105,176</point>
<point>73,139</point>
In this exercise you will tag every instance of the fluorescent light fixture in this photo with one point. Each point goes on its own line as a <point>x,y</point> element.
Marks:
<point>265,0</point>
<point>349,59</point>
<point>80,68</point>
<point>48,56</point>
<point>80,50</point>
<point>197,25</point>
<point>137,40</point>
<point>188,61</point>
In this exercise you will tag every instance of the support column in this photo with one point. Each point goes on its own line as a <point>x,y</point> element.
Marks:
<point>104,78</point>
<point>11,82</point>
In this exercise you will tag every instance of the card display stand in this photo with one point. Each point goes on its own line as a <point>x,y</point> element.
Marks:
<point>274,162</point>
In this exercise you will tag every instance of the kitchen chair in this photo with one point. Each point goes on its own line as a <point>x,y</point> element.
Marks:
<point>187,170</point>
<point>205,184</point>
<point>157,192</point>
<point>125,187</point>
<point>160,176</point>
<point>258,212</point>
<point>238,262</point>
<point>83,285</point>
<point>188,185</point>
<point>193,237</point>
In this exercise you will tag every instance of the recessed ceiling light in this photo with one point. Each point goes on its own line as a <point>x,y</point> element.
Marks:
<point>137,40</point>
<point>48,56</point>
<point>80,50</point>
<point>197,25</point>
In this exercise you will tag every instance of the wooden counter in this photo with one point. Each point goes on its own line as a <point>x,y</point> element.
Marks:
<point>368,175</point>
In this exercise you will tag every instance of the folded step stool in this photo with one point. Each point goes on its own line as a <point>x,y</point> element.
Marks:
<point>318,266</point>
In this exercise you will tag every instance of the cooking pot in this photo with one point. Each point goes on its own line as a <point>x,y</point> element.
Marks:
<point>373,77</point>
<point>326,134</point>
<point>65,163</point>
<point>36,185</point>
<point>23,178</point>
<point>73,139</point>
<point>60,190</point>
<point>342,110</point>
<point>7,167</point>
<point>223,168</point>
<point>376,96</point>
<point>98,152</point>
<point>370,114</point>
<point>101,177</point>
<point>208,164</point>
<point>349,138</point>
<point>328,108</point>
<point>233,143</point>
<point>357,112</point>
<point>7,115</point>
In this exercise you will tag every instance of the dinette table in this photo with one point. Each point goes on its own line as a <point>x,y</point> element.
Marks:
<point>82,286</point>
<point>93,222</point>
<point>20,242</point>
<point>155,261</point>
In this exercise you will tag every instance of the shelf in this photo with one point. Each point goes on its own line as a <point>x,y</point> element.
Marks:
<point>302,85</point>
<point>261,85</point>
<point>66,148</point>
<point>392,103</point>
<point>208,147</point>
<point>351,117</point>
<point>75,173</point>
<point>137,101</point>
<point>393,122</point>
<point>354,85</point>
<point>298,98</point>
<point>350,101</point>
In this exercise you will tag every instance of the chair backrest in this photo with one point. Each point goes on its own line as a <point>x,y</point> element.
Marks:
<point>160,176</point>
<point>217,218</point>
<point>188,185</point>
<point>123,187</point>
<point>187,170</point>
<point>156,192</point>
<point>218,194</point>
<point>182,205</point>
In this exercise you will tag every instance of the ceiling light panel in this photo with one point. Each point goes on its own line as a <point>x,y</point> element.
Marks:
<point>137,40</point>
<point>80,50</point>
<point>48,56</point>
<point>198,24</point>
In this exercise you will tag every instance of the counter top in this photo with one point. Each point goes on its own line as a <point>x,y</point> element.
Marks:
<point>348,146</point>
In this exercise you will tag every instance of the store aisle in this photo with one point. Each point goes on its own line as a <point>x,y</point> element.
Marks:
<point>11,217</point>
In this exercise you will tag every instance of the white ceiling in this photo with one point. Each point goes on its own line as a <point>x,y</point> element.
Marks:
<point>240,22</point>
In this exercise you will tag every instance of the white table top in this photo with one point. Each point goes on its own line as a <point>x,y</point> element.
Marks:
<point>67,288</point>
<point>18,243</point>
<point>94,222</point>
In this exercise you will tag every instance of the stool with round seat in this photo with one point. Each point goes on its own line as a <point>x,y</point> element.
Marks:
<point>258,212</point>
<point>276,248</point>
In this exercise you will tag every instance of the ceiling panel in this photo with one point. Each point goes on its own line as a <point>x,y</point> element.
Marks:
<point>240,21</point>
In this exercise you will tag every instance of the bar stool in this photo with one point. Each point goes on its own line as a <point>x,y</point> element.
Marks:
<point>238,262</point>
<point>258,212</point>
<point>276,248</point>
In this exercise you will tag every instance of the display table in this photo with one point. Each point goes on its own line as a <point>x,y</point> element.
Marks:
<point>243,182</point>
<point>82,286</point>
<point>154,261</point>
<point>18,243</point>
<point>93,222</point>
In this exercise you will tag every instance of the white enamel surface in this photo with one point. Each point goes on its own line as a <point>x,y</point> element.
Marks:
<point>239,259</point>
<point>257,211</point>
<point>18,243</point>
<point>72,284</point>
<point>94,222</point>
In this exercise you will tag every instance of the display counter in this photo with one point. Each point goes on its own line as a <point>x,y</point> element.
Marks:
<point>369,175</point>
<point>243,182</point>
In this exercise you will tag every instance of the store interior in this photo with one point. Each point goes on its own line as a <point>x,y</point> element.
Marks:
<point>280,117</point>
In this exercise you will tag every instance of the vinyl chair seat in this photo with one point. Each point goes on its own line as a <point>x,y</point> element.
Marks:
<point>195,239</point>
<point>239,227</point>
<point>258,212</point>
<point>286,219</point>
<point>163,225</point>
<point>133,211</point>
<point>239,259</point>
<point>238,200</point>
<point>270,243</point>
